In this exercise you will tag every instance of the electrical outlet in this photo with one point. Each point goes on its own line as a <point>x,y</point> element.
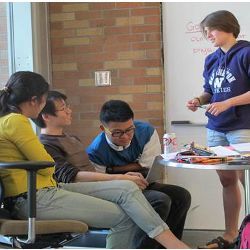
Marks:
<point>102,78</point>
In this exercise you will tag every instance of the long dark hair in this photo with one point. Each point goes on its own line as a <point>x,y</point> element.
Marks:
<point>21,87</point>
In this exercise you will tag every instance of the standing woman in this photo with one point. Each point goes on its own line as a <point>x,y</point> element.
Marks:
<point>227,93</point>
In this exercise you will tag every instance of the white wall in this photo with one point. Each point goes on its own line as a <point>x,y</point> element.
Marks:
<point>185,50</point>
<point>184,54</point>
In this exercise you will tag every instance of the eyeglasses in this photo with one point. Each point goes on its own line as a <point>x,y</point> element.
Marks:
<point>120,133</point>
<point>66,107</point>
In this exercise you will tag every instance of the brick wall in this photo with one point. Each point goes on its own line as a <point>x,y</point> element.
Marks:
<point>124,38</point>
<point>4,74</point>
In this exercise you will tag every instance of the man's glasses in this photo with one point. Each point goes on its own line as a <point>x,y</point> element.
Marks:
<point>120,133</point>
<point>66,107</point>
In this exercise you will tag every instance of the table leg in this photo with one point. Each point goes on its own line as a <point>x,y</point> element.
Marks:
<point>247,193</point>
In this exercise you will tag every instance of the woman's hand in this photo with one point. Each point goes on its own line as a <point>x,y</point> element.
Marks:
<point>218,107</point>
<point>193,104</point>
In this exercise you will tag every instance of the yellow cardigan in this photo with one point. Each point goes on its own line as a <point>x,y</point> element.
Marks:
<point>18,142</point>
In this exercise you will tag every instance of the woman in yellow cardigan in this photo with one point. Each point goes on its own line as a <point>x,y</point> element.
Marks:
<point>120,205</point>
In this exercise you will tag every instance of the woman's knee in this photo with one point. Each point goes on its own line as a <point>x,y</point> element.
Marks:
<point>229,178</point>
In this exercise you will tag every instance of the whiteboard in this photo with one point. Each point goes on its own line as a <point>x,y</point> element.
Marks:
<point>185,50</point>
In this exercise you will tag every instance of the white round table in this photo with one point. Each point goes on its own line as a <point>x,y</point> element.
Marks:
<point>225,166</point>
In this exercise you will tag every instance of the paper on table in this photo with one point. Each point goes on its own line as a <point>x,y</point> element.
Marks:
<point>169,156</point>
<point>223,151</point>
<point>242,147</point>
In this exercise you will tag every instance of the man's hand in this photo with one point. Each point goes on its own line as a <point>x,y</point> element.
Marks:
<point>135,174</point>
<point>137,178</point>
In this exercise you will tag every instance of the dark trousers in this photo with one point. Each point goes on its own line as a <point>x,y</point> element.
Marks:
<point>171,203</point>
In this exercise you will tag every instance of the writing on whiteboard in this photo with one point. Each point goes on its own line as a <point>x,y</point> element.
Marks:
<point>195,37</point>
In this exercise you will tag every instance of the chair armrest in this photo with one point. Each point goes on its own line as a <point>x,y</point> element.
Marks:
<point>31,167</point>
<point>27,165</point>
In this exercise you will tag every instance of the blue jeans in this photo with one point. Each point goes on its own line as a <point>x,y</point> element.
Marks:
<point>119,205</point>
<point>215,138</point>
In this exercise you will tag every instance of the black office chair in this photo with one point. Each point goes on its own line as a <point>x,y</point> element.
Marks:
<point>34,233</point>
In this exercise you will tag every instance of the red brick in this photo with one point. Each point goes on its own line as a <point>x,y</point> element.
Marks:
<point>88,92</point>
<point>116,30</point>
<point>147,63</point>
<point>57,75</point>
<point>131,72</point>
<point>152,4</point>
<point>74,75</point>
<point>64,83</point>
<point>101,6</point>
<point>129,5</point>
<point>148,114</point>
<point>145,80</point>
<point>93,98</point>
<point>126,81</point>
<point>56,25</point>
<point>64,58</point>
<point>116,47</point>
<point>130,38</point>
<point>90,66</point>
<point>154,54</point>
<point>148,97</point>
<point>125,38</point>
<point>145,29</point>
<point>61,51</point>
<point>156,122</point>
<point>102,22</point>
<point>146,45</point>
<point>116,13</point>
<point>55,7</point>
<point>92,48</point>
<point>96,57</point>
<point>153,37</point>
<point>77,75</point>
<point>57,42</point>
<point>97,40</point>
<point>62,33</point>
<point>145,11</point>
<point>152,20</point>
<point>88,15</point>
<point>138,106</point>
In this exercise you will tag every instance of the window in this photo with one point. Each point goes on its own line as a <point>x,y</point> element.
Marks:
<point>4,61</point>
